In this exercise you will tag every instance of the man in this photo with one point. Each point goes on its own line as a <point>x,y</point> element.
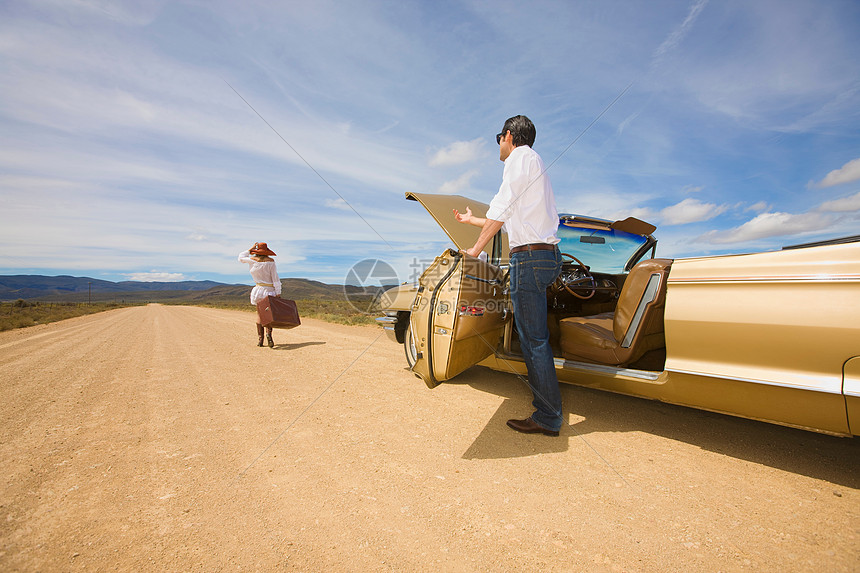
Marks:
<point>525,207</point>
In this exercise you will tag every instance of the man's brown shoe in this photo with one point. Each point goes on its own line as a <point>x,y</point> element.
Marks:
<point>529,426</point>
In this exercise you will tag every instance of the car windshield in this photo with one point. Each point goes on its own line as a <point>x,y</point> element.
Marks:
<point>603,250</point>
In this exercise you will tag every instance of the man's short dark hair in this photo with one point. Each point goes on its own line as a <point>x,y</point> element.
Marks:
<point>522,129</point>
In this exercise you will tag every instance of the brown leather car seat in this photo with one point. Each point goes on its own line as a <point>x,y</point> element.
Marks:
<point>621,337</point>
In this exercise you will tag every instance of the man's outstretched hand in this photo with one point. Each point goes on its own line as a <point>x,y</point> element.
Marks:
<point>463,217</point>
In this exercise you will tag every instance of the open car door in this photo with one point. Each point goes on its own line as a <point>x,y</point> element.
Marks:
<point>457,317</point>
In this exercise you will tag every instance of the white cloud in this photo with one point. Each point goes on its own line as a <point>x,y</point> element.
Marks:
<point>61,87</point>
<point>760,206</point>
<point>788,72</point>
<point>845,174</point>
<point>138,13</point>
<point>458,153</point>
<point>337,204</point>
<point>678,34</point>
<point>690,211</point>
<point>627,121</point>
<point>845,205</point>
<point>770,225</point>
<point>156,276</point>
<point>641,213</point>
<point>459,184</point>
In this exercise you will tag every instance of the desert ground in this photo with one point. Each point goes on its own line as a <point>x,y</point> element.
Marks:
<point>161,438</point>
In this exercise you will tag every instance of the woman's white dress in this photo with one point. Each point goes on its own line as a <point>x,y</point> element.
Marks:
<point>265,275</point>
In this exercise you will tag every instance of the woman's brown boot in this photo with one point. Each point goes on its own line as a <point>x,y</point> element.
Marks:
<point>260,335</point>
<point>269,338</point>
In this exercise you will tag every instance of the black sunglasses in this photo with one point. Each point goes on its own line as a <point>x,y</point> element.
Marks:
<point>499,137</point>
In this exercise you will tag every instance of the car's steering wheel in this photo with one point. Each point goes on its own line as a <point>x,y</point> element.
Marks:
<point>580,279</point>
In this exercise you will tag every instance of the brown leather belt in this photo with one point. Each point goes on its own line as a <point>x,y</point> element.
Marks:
<point>533,247</point>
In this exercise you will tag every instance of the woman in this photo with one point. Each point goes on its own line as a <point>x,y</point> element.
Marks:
<point>265,275</point>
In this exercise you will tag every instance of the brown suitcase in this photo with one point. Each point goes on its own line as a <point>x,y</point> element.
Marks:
<point>274,312</point>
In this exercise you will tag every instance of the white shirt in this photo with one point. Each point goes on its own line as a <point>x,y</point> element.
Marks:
<point>264,273</point>
<point>525,202</point>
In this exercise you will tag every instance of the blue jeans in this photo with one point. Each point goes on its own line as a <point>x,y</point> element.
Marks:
<point>531,273</point>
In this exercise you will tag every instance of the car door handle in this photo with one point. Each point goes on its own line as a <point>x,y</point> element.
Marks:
<point>493,282</point>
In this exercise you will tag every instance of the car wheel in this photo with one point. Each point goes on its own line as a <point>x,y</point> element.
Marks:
<point>409,346</point>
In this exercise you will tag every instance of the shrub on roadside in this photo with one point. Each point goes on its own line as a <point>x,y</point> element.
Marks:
<point>22,313</point>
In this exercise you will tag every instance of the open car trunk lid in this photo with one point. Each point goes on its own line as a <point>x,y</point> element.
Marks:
<point>464,236</point>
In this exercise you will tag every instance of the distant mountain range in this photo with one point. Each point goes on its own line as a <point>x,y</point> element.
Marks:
<point>13,287</point>
<point>68,288</point>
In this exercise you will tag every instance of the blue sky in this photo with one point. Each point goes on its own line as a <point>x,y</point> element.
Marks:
<point>125,152</point>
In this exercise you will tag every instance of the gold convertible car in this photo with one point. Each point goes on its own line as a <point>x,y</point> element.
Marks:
<point>771,336</point>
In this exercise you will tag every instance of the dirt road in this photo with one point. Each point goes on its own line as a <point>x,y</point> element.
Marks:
<point>161,438</point>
